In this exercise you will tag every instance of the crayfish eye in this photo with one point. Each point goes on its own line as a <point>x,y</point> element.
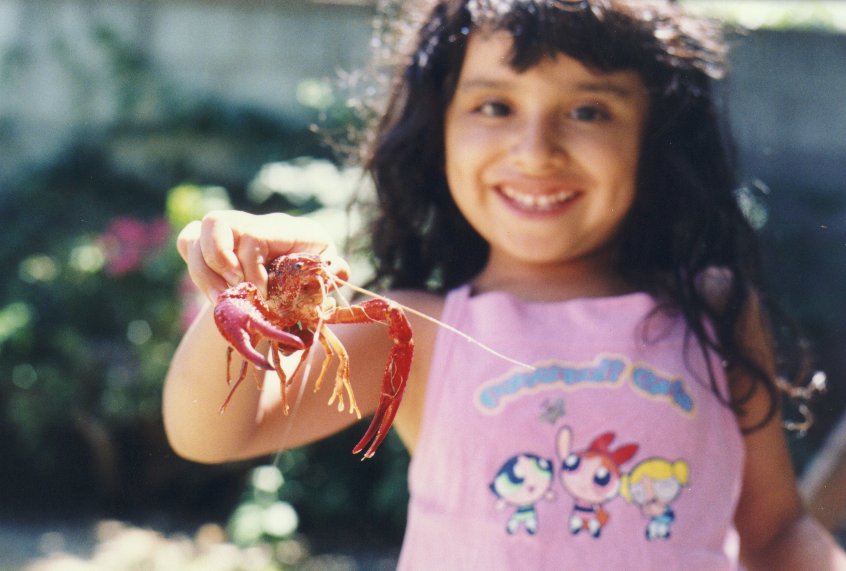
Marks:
<point>298,266</point>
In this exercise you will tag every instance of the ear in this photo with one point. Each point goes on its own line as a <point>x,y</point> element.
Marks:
<point>564,441</point>
<point>623,454</point>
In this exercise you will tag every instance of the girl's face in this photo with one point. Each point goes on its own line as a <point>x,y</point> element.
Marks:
<point>542,163</point>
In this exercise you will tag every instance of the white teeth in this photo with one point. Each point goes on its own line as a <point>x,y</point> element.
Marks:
<point>537,201</point>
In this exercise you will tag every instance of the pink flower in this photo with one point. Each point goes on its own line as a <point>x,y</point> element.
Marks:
<point>129,242</point>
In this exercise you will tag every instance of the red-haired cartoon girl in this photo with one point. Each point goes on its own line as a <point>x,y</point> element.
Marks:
<point>592,476</point>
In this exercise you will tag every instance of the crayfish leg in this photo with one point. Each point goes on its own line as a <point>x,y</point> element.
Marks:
<point>283,381</point>
<point>324,366</point>
<point>303,359</point>
<point>333,346</point>
<point>229,366</point>
<point>243,375</point>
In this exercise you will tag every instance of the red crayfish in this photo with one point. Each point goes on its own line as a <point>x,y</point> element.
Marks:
<point>296,310</point>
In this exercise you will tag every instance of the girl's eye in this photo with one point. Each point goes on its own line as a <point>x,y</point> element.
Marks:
<point>588,113</point>
<point>494,109</point>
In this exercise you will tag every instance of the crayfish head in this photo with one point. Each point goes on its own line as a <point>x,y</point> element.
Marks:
<point>296,279</point>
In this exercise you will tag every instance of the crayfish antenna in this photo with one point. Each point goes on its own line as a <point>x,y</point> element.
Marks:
<point>337,291</point>
<point>437,322</point>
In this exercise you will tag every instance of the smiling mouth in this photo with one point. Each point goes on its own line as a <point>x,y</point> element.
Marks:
<point>537,202</point>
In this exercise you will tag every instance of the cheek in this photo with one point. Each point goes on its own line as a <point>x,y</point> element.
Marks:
<point>458,148</point>
<point>457,161</point>
<point>618,159</point>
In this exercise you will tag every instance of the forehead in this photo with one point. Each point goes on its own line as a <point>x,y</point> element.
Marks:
<point>487,61</point>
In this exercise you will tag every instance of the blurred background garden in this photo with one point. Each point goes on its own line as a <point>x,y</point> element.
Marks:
<point>121,121</point>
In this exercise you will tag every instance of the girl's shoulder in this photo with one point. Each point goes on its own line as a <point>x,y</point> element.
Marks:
<point>715,284</point>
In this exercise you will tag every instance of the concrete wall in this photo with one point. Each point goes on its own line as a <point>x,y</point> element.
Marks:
<point>71,64</point>
<point>57,75</point>
<point>788,105</point>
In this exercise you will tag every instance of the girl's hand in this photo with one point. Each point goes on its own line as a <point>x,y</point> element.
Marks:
<point>227,247</point>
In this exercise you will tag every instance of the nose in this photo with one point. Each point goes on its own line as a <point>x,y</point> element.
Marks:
<point>539,144</point>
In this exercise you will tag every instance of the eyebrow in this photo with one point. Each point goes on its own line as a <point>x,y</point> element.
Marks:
<point>607,87</point>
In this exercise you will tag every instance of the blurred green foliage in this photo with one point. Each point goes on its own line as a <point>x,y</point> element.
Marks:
<point>95,301</point>
<point>825,15</point>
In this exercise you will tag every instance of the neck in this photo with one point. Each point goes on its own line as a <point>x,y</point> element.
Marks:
<point>584,277</point>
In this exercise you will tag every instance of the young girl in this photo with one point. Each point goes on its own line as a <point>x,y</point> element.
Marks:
<point>554,182</point>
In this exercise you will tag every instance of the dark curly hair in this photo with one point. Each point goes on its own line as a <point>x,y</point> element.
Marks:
<point>685,218</point>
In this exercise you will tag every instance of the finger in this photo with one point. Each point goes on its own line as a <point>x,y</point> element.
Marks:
<point>252,253</point>
<point>308,236</point>
<point>188,236</point>
<point>336,264</point>
<point>287,234</point>
<point>218,243</point>
<point>208,281</point>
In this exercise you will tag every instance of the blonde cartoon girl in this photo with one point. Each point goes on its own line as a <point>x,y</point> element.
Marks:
<point>653,485</point>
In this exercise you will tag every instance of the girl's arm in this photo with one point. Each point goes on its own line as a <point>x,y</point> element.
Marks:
<point>254,423</point>
<point>224,248</point>
<point>775,530</point>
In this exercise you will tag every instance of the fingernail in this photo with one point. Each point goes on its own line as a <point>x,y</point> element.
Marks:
<point>232,278</point>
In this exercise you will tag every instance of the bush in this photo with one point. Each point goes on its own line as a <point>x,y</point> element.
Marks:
<point>89,318</point>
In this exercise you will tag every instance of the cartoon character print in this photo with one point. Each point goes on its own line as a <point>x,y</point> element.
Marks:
<point>592,476</point>
<point>521,482</point>
<point>653,485</point>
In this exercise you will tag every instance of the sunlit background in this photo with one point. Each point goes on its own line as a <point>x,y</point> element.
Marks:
<point>123,120</point>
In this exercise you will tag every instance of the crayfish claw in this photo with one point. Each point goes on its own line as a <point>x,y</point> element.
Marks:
<point>241,317</point>
<point>244,345</point>
<point>396,374</point>
<point>287,340</point>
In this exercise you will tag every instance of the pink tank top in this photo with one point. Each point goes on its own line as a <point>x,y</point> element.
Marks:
<point>613,453</point>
